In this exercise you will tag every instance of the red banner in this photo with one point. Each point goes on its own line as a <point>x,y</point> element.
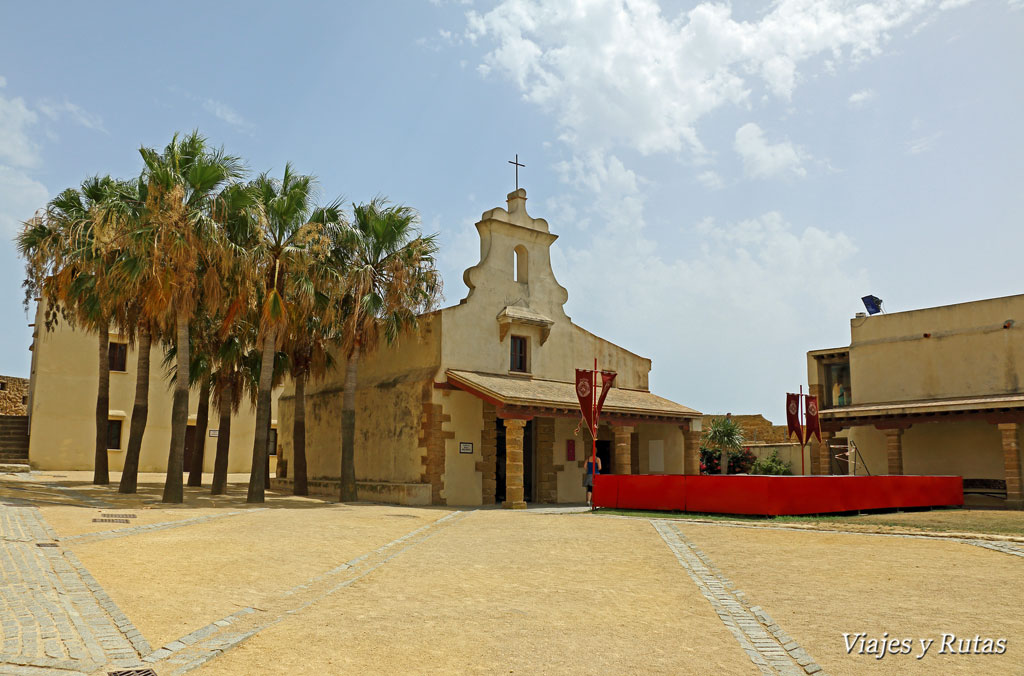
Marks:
<point>793,417</point>
<point>607,382</point>
<point>813,424</point>
<point>585,393</point>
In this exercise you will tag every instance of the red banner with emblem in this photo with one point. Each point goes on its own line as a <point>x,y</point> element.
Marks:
<point>813,424</point>
<point>585,393</point>
<point>793,417</point>
<point>607,382</point>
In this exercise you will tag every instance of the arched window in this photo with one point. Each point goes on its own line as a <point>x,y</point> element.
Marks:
<point>520,268</point>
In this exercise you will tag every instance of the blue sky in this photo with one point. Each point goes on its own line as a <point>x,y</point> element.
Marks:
<point>727,180</point>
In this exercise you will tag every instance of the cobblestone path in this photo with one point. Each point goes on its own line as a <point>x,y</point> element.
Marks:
<point>765,642</point>
<point>54,616</point>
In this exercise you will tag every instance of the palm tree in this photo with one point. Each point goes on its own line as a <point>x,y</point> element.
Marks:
<point>132,273</point>
<point>309,357</point>
<point>726,435</point>
<point>289,233</point>
<point>233,376</point>
<point>68,256</point>
<point>388,277</point>
<point>182,183</point>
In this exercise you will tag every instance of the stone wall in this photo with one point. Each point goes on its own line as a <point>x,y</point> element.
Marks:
<point>756,428</point>
<point>13,395</point>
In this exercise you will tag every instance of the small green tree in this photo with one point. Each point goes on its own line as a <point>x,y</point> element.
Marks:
<point>771,465</point>
<point>725,436</point>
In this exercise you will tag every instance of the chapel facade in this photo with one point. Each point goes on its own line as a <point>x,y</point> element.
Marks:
<point>478,406</point>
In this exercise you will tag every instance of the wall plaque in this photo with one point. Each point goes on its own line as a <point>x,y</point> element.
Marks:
<point>466,447</point>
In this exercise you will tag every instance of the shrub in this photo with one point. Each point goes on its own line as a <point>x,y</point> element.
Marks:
<point>739,461</point>
<point>710,461</point>
<point>771,465</point>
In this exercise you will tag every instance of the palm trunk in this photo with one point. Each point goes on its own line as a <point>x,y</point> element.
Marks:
<point>266,456</point>
<point>195,473</point>
<point>100,472</point>
<point>173,489</point>
<point>257,471</point>
<point>301,487</point>
<point>220,462</point>
<point>348,428</point>
<point>140,414</point>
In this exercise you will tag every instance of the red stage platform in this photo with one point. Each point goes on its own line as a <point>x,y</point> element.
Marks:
<point>775,495</point>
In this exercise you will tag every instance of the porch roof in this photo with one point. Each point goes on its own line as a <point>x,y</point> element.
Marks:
<point>558,398</point>
<point>996,407</point>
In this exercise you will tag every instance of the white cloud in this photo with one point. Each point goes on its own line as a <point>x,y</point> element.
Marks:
<point>226,113</point>
<point>616,72</point>
<point>762,159</point>
<point>711,179</point>
<point>694,302</point>
<point>20,197</point>
<point>923,144</point>
<point>54,111</point>
<point>862,98</point>
<point>613,191</point>
<point>16,148</point>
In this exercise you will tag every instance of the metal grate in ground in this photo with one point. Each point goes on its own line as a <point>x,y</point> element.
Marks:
<point>111,521</point>
<point>132,672</point>
<point>118,516</point>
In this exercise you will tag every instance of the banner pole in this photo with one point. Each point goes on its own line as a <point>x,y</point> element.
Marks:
<point>593,425</point>
<point>800,413</point>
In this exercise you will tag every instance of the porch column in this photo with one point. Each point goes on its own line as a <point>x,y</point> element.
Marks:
<point>1012,464</point>
<point>622,448</point>
<point>894,446</point>
<point>691,447</point>
<point>821,451</point>
<point>514,463</point>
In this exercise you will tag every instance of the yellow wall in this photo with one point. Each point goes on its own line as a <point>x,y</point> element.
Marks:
<point>971,449</point>
<point>968,352</point>
<point>570,479</point>
<point>463,484</point>
<point>63,404</point>
<point>671,438</point>
<point>389,405</point>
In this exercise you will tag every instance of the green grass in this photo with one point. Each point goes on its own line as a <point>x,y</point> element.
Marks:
<point>995,522</point>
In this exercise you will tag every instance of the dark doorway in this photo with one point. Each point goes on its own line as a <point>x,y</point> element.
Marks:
<point>604,452</point>
<point>528,464</point>
<point>190,447</point>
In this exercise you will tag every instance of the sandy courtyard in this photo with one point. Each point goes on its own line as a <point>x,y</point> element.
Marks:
<point>306,586</point>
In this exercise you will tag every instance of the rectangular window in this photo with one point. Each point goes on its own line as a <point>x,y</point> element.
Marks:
<point>518,361</point>
<point>118,353</point>
<point>114,434</point>
<point>272,442</point>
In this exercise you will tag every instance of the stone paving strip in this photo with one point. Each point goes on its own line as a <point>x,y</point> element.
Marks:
<point>206,643</point>
<point>54,617</point>
<point>770,648</point>
<point>1004,546</point>
<point>78,496</point>
<point>151,527</point>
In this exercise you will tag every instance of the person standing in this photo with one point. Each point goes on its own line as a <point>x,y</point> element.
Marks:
<point>592,467</point>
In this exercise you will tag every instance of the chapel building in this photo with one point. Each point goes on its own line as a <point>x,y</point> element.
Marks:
<point>478,406</point>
